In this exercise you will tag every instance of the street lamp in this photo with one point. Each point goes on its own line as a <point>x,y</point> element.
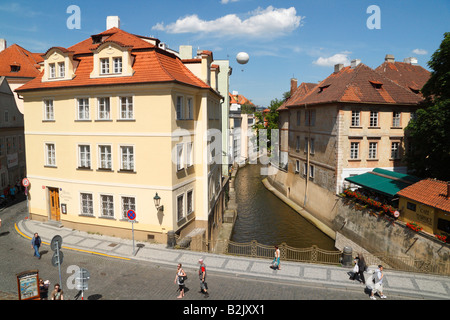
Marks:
<point>157,200</point>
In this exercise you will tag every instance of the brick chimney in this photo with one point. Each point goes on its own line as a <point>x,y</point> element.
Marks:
<point>293,85</point>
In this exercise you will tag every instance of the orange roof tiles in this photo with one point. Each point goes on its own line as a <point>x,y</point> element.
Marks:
<point>301,91</point>
<point>239,99</point>
<point>359,84</point>
<point>151,65</point>
<point>433,193</point>
<point>408,75</point>
<point>17,56</point>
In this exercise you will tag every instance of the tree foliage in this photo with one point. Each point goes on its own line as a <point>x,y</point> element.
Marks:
<point>429,130</point>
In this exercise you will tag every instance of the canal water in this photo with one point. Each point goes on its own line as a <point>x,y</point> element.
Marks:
<point>263,217</point>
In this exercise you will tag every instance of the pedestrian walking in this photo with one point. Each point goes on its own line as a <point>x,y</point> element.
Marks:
<point>43,289</point>
<point>276,259</point>
<point>362,267</point>
<point>180,277</point>
<point>202,277</point>
<point>378,287</point>
<point>35,244</point>
<point>359,268</point>
<point>57,293</point>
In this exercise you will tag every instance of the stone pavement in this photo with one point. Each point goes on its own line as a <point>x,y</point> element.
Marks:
<point>417,286</point>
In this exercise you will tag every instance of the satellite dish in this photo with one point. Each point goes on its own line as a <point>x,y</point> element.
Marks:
<point>242,57</point>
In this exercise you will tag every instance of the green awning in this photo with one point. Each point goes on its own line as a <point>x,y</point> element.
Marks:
<point>383,181</point>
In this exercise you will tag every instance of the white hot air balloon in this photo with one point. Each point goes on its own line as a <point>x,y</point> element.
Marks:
<point>242,57</point>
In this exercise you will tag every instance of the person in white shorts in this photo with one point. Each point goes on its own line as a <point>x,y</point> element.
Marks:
<point>378,284</point>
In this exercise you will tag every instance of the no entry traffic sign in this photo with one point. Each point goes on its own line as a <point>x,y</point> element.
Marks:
<point>25,182</point>
<point>131,214</point>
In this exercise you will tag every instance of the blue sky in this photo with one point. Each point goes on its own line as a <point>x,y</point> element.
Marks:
<point>284,38</point>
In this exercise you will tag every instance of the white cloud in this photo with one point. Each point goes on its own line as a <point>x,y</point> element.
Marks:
<point>268,23</point>
<point>227,1</point>
<point>335,59</point>
<point>420,51</point>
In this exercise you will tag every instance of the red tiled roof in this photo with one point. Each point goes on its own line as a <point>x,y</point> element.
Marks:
<point>18,56</point>
<point>408,75</point>
<point>239,99</point>
<point>429,192</point>
<point>359,84</point>
<point>300,92</point>
<point>151,65</point>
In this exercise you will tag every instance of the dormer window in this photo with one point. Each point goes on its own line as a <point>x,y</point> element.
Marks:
<point>52,70</point>
<point>376,84</point>
<point>117,65</point>
<point>104,66</point>
<point>15,68</point>
<point>62,69</point>
<point>322,89</point>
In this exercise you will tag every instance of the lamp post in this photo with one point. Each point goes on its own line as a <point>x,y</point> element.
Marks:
<point>157,200</point>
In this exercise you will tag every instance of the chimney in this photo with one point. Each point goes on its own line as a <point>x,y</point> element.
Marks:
<point>186,52</point>
<point>355,63</point>
<point>293,85</point>
<point>338,67</point>
<point>2,44</point>
<point>112,22</point>
<point>389,58</point>
<point>410,60</point>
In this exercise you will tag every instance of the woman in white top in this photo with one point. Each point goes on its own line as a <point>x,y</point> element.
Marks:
<point>179,279</point>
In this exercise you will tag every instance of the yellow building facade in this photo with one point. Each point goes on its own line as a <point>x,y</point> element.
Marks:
<point>112,122</point>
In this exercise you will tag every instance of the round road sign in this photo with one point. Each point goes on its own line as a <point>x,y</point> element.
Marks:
<point>131,214</point>
<point>25,182</point>
<point>56,261</point>
<point>56,241</point>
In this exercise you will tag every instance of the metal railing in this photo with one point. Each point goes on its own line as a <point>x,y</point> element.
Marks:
<point>314,254</point>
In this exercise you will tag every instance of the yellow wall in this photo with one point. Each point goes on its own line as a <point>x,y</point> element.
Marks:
<point>154,133</point>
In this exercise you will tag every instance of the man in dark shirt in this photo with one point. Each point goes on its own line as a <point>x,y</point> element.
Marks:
<point>35,244</point>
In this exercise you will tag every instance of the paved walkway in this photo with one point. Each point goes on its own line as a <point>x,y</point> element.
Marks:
<point>420,286</point>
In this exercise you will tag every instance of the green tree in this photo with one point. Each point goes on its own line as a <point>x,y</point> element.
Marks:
<point>269,120</point>
<point>429,130</point>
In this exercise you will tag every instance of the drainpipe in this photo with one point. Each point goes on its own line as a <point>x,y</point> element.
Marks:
<point>307,157</point>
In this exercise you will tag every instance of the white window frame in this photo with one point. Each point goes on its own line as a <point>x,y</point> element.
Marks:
<point>311,171</point>
<point>49,111</point>
<point>86,205</point>
<point>192,209</point>
<point>182,208</point>
<point>190,108</point>
<point>61,69</point>
<point>124,207</point>
<point>179,108</point>
<point>180,152</point>
<point>52,70</point>
<point>104,65</point>
<point>85,112</point>
<point>373,119</point>
<point>126,106</point>
<point>103,108</point>
<point>84,156</point>
<point>356,118</point>
<point>396,119</point>
<point>127,158</point>
<point>297,166</point>
<point>189,154</point>
<point>109,200</point>
<point>117,64</point>
<point>395,150</point>
<point>354,150</point>
<point>373,150</point>
<point>101,153</point>
<point>50,154</point>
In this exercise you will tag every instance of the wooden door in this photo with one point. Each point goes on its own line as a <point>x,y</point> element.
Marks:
<point>54,204</point>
